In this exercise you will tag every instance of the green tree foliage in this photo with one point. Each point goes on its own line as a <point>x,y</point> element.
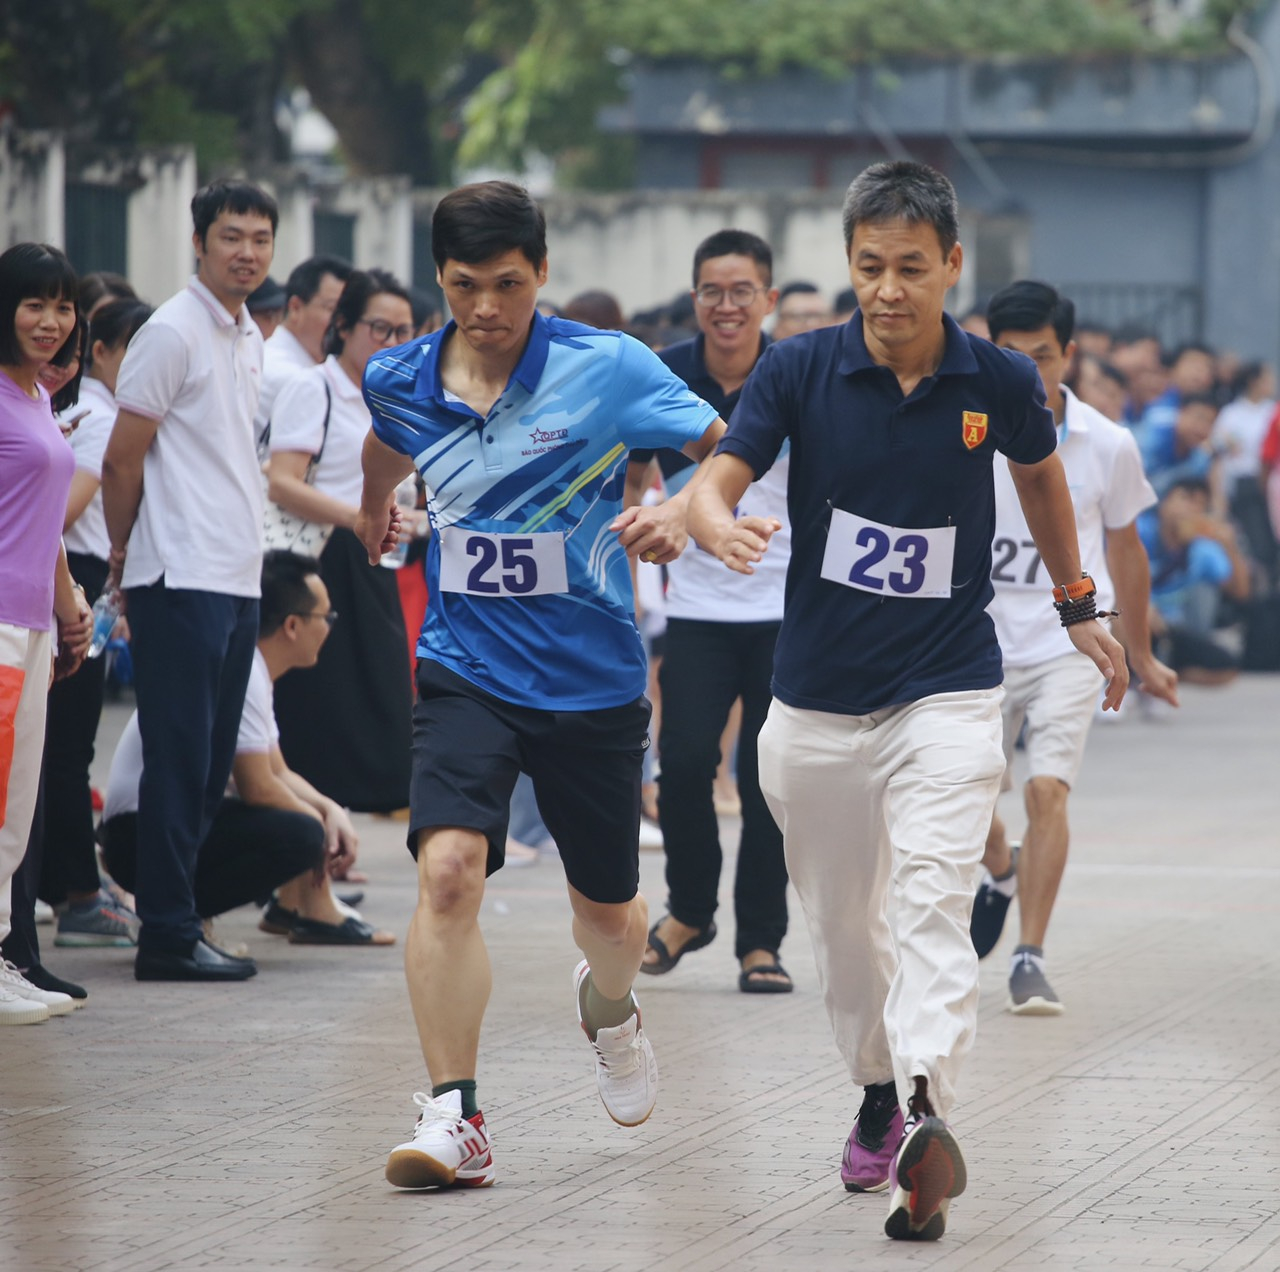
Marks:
<point>411,84</point>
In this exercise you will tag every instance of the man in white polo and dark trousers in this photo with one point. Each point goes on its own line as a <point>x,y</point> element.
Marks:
<point>1050,689</point>
<point>182,494</point>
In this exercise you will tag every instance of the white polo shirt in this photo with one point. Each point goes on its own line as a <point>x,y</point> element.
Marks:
<point>258,735</point>
<point>1108,489</point>
<point>88,534</point>
<point>297,424</point>
<point>197,370</point>
<point>701,587</point>
<point>284,356</point>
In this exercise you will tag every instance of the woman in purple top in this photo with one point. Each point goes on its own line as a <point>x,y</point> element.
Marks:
<point>38,316</point>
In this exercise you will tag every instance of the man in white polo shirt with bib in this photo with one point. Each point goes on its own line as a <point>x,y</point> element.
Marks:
<point>183,500</point>
<point>1050,687</point>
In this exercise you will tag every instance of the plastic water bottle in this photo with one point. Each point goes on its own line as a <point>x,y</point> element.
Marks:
<point>106,610</point>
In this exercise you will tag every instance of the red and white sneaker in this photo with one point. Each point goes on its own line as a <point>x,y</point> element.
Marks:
<point>626,1071</point>
<point>447,1150</point>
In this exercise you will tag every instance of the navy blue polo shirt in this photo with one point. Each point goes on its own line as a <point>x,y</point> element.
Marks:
<point>918,462</point>
<point>688,359</point>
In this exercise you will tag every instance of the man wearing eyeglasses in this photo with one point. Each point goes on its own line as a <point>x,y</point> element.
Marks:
<point>721,630</point>
<point>274,830</point>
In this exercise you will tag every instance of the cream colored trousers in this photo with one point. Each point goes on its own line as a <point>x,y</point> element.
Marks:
<point>883,819</point>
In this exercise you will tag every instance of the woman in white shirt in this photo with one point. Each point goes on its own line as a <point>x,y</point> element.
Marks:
<point>345,724</point>
<point>69,870</point>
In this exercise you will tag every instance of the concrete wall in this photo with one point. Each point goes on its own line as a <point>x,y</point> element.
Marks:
<point>32,173</point>
<point>640,246</point>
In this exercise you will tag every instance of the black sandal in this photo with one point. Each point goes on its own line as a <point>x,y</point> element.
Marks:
<point>748,985</point>
<point>667,960</point>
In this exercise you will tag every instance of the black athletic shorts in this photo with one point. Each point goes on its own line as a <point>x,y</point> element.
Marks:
<point>469,747</point>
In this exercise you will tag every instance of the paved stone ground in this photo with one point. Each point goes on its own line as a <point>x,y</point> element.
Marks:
<point>229,1128</point>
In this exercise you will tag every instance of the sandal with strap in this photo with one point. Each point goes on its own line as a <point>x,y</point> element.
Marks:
<point>749,984</point>
<point>667,960</point>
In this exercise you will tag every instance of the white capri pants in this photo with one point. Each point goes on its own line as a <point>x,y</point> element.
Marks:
<point>24,694</point>
<point>901,798</point>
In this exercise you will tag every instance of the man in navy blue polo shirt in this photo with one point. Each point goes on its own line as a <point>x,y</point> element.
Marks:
<point>721,631</point>
<point>881,757</point>
<point>529,657</point>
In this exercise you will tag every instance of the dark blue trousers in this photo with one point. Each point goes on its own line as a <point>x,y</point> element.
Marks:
<point>192,653</point>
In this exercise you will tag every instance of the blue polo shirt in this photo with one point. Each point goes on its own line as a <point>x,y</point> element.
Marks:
<point>688,359</point>
<point>859,446</point>
<point>549,457</point>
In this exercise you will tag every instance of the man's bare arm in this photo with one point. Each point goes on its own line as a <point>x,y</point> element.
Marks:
<point>131,438</point>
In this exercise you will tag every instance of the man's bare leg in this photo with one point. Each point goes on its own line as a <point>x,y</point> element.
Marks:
<point>997,856</point>
<point>445,959</point>
<point>1043,857</point>
<point>612,939</point>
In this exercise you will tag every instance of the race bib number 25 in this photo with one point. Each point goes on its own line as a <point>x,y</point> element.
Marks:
<point>889,560</point>
<point>502,564</point>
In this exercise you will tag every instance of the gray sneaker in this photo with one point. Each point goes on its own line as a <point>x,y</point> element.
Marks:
<point>1030,993</point>
<point>101,924</point>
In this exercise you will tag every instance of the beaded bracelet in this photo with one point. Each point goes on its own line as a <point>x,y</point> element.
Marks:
<point>1082,611</point>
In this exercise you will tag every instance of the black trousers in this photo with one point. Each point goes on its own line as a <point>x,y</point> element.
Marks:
<point>192,652</point>
<point>248,852</point>
<point>705,667</point>
<point>71,729</point>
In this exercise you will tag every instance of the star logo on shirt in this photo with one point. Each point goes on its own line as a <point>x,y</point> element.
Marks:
<point>974,429</point>
<point>540,437</point>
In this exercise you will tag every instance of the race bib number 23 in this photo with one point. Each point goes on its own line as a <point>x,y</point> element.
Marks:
<point>889,560</point>
<point>502,564</point>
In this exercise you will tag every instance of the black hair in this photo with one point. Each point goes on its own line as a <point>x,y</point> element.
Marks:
<point>116,323</point>
<point>1245,376</point>
<point>1191,346</point>
<point>798,289</point>
<point>1027,306</point>
<point>1199,399</point>
<point>1133,333</point>
<point>735,243</point>
<point>1108,369</point>
<point>596,309</point>
<point>304,280</point>
<point>36,270</point>
<point>67,396</point>
<point>361,287</point>
<point>475,223</point>
<point>285,589</point>
<point>846,301</point>
<point>424,306</point>
<point>902,190</point>
<point>102,282</point>
<point>236,197</point>
<point>1192,485</point>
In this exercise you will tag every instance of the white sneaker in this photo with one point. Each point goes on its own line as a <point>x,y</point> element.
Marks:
<point>20,1011</point>
<point>43,912</point>
<point>626,1071</point>
<point>16,984</point>
<point>447,1150</point>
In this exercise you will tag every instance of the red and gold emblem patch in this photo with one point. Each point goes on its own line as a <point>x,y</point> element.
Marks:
<point>974,427</point>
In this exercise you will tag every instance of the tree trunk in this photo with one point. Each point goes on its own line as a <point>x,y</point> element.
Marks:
<point>383,127</point>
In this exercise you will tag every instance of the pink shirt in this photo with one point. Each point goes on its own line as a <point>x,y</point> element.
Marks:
<point>36,466</point>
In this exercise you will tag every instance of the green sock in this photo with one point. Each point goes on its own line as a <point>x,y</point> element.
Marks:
<point>467,1086</point>
<point>599,1012</point>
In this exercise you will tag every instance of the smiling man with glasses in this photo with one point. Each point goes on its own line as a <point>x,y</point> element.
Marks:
<point>721,631</point>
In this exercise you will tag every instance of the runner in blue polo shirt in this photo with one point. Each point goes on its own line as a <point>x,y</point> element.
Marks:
<point>529,656</point>
<point>881,757</point>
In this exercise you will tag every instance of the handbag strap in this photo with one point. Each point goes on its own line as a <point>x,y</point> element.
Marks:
<point>324,437</point>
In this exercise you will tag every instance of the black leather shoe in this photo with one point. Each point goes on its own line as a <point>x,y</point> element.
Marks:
<point>203,962</point>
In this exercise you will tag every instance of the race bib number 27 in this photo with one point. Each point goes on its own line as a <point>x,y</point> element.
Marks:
<point>502,564</point>
<point>889,560</point>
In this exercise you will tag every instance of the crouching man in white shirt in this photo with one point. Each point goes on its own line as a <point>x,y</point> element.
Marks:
<point>274,830</point>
